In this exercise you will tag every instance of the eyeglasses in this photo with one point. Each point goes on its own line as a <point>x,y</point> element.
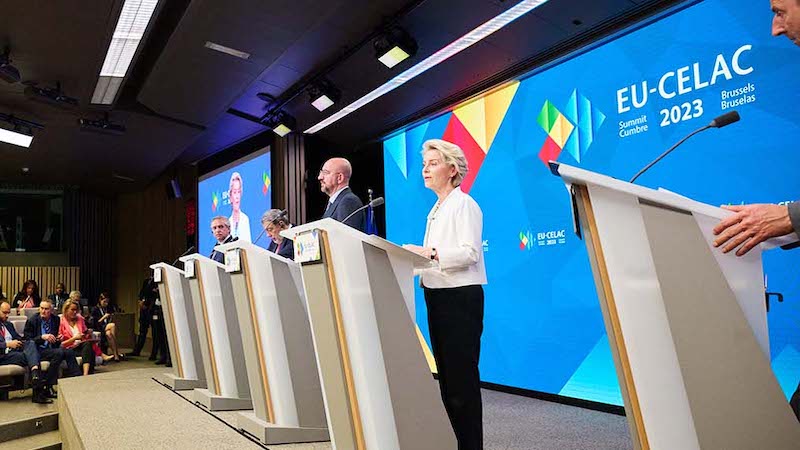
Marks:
<point>325,173</point>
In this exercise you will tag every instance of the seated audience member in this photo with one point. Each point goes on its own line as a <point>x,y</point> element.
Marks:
<point>102,314</point>
<point>42,329</point>
<point>2,293</point>
<point>274,221</point>
<point>58,297</point>
<point>13,351</point>
<point>77,337</point>
<point>28,297</point>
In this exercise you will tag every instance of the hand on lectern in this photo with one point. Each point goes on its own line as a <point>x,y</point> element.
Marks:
<point>751,225</point>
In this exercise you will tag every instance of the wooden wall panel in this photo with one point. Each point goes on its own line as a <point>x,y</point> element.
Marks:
<point>13,277</point>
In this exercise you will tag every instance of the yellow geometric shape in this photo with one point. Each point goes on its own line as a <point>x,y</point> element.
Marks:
<point>561,130</point>
<point>473,116</point>
<point>496,107</point>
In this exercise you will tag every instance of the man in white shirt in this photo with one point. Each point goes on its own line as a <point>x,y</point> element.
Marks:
<point>334,181</point>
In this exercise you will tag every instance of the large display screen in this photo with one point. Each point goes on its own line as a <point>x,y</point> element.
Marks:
<point>611,108</point>
<point>244,185</point>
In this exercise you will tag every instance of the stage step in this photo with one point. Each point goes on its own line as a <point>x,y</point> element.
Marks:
<point>24,428</point>
<point>45,441</point>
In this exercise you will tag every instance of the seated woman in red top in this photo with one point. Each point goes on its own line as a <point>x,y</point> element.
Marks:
<point>76,337</point>
<point>28,297</point>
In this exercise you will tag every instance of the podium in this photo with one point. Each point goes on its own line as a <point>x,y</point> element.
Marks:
<point>179,320</point>
<point>686,323</point>
<point>220,339</point>
<point>379,390</point>
<point>277,346</point>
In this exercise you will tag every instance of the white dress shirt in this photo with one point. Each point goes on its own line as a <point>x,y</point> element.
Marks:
<point>454,229</point>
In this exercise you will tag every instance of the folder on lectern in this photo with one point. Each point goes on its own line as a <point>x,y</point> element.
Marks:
<point>686,323</point>
<point>378,388</point>
<point>277,347</point>
<point>219,336</point>
<point>179,320</point>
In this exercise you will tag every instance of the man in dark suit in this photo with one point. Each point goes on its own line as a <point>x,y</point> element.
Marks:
<point>751,225</point>
<point>274,221</point>
<point>334,180</point>
<point>59,297</point>
<point>221,228</point>
<point>42,330</point>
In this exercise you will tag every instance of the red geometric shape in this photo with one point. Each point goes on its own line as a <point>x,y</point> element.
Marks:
<point>550,151</point>
<point>458,134</point>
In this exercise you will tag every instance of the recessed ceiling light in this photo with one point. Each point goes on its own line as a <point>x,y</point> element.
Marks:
<point>464,42</point>
<point>131,26</point>
<point>26,169</point>
<point>227,50</point>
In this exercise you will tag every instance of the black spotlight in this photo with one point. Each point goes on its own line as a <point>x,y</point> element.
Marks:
<point>8,73</point>
<point>323,94</point>
<point>52,96</point>
<point>394,46</point>
<point>102,126</point>
<point>281,123</point>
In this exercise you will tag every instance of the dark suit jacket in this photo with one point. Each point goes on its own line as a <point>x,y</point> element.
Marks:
<point>344,205</point>
<point>21,296</point>
<point>286,248</point>
<point>14,335</point>
<point>94,319</point>
<point>219,256</point>
<point>58,303</point>
<point>33,329</point>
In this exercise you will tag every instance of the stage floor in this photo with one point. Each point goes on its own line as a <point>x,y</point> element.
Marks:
<point>150,416</point>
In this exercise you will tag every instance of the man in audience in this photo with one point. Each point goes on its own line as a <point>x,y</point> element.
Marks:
<point>334,180</point>
<point>58,298</point>
<point>42,330</point>
<point>221,228</point>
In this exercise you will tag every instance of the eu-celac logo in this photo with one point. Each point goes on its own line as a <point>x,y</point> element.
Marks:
<point>525,240</point>
<point>214,201</point>
<point>573,130</point>
<point>266,182</point>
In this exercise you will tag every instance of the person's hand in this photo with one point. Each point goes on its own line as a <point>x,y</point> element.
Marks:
<point>105,316</point>
<point>751,225</point>
<point>422,251</point>
<point>49,338</point>
<point>15,344</point>
<point>141,305</point>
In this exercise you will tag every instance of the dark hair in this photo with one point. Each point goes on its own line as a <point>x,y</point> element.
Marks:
<point>30,283</point>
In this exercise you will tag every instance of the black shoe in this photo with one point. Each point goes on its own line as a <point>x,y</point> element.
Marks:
<point>36,378</point>
<point>49,392</point>
<point>39,397</point>
<point>161,361</point>
<point>152,357</point>
<point>168,364</point>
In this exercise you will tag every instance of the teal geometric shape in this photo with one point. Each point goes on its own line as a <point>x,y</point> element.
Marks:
<point>588,120</point>
<point>395,147</point>
<point>415,137</point>
<point>596,371</point>
<point>784,366</point>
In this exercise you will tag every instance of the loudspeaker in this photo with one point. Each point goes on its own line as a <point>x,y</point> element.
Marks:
<point>173,189</point>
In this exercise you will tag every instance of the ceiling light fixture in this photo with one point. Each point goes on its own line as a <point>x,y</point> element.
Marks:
<point>102,126</point>
<point>281,123</point>
<point>16,131</point>
<point>323,95</point>
<point>394,47</point>
<point>464,42</point>
<point>52,96</point>
<point>133,21</point>
<point>227,50</point>
<point>8,73</point>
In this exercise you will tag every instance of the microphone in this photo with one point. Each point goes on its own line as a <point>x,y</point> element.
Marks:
<point>188,250</point>
<point>719,122</point>
<point>283,215</point>
<point>376,202</point>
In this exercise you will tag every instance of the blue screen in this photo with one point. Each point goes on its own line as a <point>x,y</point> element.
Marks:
<point>612,109</point>
<point>214,199</point>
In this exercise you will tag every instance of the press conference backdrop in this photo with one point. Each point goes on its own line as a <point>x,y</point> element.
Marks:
<point>611,108</point>
<point>214,199</point>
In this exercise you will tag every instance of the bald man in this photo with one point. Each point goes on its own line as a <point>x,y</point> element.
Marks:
<point>334,181</point>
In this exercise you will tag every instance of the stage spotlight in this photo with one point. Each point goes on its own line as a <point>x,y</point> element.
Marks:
<point>281,123</point>
<point>323,95</point>
<point>8,73</point>
<point>51,96</point>
<point>394,46</point>
<point>102,126</point>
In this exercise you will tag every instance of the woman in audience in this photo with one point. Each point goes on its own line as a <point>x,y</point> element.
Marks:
<point>76,337</point>
<point>102,314</point>
<point>28,297</point>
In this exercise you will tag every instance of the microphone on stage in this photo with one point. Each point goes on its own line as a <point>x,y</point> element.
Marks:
<point>719,122</point>
<point>284,214</point>
<point>376,202</point>
<point>188,250</point>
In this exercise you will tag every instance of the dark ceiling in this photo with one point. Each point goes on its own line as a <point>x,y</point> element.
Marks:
<point>183,102</point>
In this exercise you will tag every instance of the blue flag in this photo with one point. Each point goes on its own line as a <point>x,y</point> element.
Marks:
<point>371,227</point>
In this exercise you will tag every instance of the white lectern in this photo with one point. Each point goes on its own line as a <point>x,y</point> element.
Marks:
<point>179,320</point>
<point>378,387</point>
<point>686,323</point>
<point>277,347</point>
<point>219,336</point>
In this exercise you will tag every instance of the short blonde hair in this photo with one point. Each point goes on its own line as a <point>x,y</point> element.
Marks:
<point>75,295</point>
<point>235,177</point>
<point>451,155</point>
<point>69,303</point>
